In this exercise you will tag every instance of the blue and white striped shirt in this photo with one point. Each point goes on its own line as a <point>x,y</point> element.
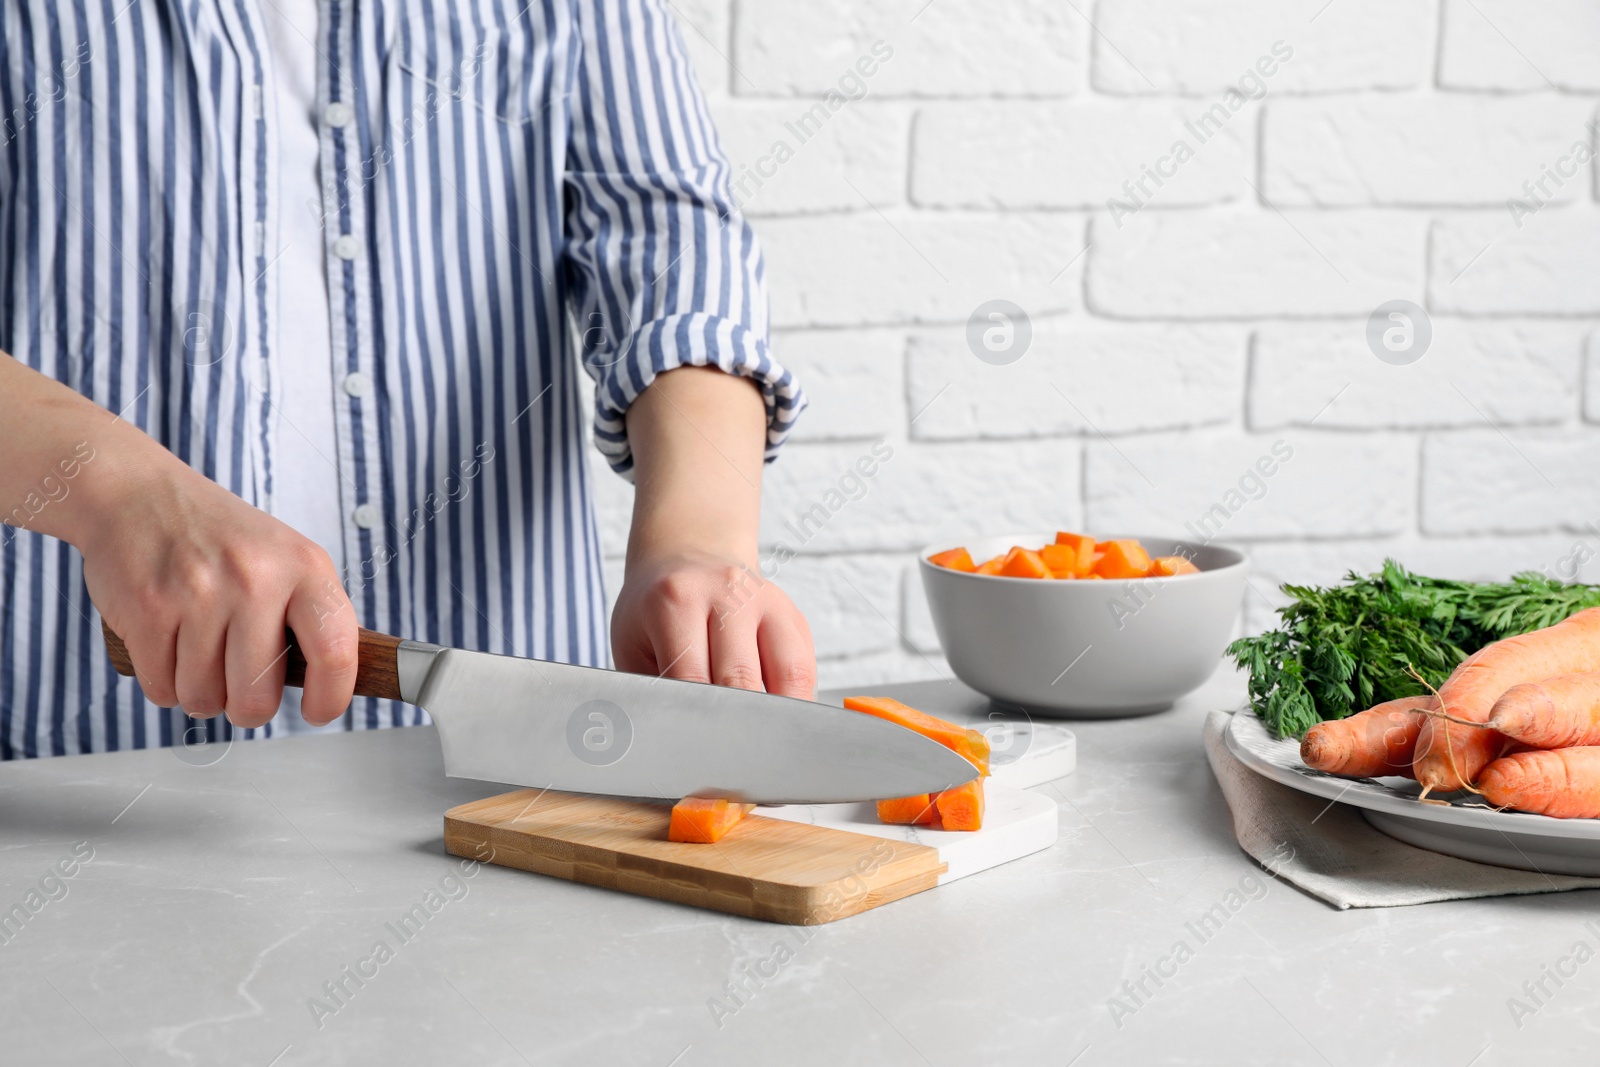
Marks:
<point>508,189</point>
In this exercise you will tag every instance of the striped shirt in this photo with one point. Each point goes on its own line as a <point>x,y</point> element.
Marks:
<point>509,190</point>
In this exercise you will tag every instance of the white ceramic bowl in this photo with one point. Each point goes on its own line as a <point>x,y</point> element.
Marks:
<point>1084,648</point>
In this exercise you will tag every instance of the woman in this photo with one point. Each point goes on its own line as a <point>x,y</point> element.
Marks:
<point>293,306</point>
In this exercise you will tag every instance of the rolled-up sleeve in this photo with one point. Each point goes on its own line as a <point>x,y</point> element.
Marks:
<point>662,268</point>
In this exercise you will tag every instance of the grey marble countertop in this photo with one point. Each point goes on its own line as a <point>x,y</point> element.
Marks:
<point>210,909</point>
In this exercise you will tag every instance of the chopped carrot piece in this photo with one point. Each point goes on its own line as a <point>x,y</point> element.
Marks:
<point>1024,563</point>
<point>1061,559</point>
<point>919,810</point>
<point>1082,546</point>
<point>957,559</point>
<point>1122,559</point>
<point>970,744</point>
<point>1167,566</point>
<point>703,820</point>
<point>978,745</point>
<point>961,808</point>
<point>991,566</point>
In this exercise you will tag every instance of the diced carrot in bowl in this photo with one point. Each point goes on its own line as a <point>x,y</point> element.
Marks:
<point>1024,563</point>
<point>1123,558</point>
<point>1082,547</point>
<point>957,559</point>
<point>1061,559</point>
<point>1072,555</point>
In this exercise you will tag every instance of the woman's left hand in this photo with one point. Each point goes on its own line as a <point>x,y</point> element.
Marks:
<point>693,604</point>
<point>706,617</point>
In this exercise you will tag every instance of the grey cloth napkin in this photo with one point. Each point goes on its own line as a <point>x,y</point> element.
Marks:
<point>1331,852</point>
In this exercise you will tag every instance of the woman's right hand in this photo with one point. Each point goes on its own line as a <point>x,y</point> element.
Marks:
<point>200,585</point>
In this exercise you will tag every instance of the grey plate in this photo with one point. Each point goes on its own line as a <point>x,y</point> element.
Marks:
<point>1459,824</point>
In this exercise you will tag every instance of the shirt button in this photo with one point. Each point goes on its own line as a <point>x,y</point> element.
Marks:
<point>357,384</point>
<point>347,247</point>
<point>338,114</point>
<point>366,516</point>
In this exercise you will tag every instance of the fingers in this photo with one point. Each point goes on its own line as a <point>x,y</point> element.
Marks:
<point>735,659</point>
<point>631,650</point>
<point>324,624</point>
<point>718,623</point>
<point>677,632</point>
<point>257,651</point>
<point>155,659</point>
<point>201,685</point>
<point>788,659</point>
<point>682,653</point>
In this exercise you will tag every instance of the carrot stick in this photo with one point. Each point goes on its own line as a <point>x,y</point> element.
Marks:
<point>1450,755</point>
<point>1369,744</point>
<point>1559,712</point>
<point>1563,783</point>
<point>970,743</point>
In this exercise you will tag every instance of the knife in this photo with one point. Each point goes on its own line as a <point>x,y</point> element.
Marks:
<point>547,725</point>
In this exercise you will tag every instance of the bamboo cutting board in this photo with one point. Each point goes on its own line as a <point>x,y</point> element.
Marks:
<point>799,864</point>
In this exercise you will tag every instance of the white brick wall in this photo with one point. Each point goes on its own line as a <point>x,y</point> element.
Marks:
<point>1543,481</point>
<point>1200,47</point>
<point>1256,264</point>
<point>1416,150</point>
<point>1325,485</point>
<point>1007,48</point>
<point>1080,376</point>
<point>1515,373</point>
<point>860,153</point>
<point>1367,154</point>
<point>1062,155</point>
<point>898,266</point>
<point>1483,264</point>
<point>1516,45</point>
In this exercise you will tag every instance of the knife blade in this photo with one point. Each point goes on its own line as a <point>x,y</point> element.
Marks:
<point>578,729</point>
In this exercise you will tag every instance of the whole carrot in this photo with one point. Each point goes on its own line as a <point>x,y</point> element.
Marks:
<point>1559,712</point>
<point>1369,744</point>
<point>1450,755</point>
<point>1563,783</point>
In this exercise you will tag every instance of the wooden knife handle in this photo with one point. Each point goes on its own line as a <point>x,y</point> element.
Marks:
<point>377,674</point>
